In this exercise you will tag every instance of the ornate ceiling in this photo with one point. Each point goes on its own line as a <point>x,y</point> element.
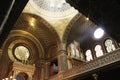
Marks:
<point>41,28</point>
<point>102,12</point>
<point>36,31</point>
<point>54,17</point>
<point>49,31</point>
<point>50,9</point>
<point>52,5</point>
<point>43,23</point>
<point>59,23</point>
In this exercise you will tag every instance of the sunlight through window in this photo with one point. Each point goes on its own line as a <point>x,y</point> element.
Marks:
<point>98,33</point>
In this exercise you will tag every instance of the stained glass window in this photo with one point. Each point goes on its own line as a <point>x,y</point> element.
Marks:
<point>110,46</point>
<point>88,55</point>
<point>98,50</point>
<point>21,53</point>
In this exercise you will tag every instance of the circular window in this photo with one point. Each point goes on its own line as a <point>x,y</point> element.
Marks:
<point>99,32</point>
<point>21,53</point>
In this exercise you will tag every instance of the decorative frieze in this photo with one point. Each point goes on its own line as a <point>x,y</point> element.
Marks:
<point>18,68</point>
<point>93,65</point>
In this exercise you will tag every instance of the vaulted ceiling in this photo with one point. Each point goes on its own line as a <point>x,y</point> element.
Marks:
<point>105,13</point>
<point>47,24</point>
<point>97,11</point>
<point>39,28</point>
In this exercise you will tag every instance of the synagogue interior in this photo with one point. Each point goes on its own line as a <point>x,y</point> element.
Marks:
<point>59,40</point>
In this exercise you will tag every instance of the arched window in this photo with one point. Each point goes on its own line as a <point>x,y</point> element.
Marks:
<point>88,55</point>
<point>98,50</point>
<point>110,46</point>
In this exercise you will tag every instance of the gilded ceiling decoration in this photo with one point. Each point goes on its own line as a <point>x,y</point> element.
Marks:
<point>50,8</point>
<point>31,47</point>
<point>39,28</point>
<point>52,5</point>
<point>55,12</point>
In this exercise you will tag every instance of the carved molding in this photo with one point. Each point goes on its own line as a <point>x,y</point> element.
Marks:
<point>107,59</point>
<point>92,65</point>
<point>23,67</point>
<point>18,67</point>
<point>68,28</point>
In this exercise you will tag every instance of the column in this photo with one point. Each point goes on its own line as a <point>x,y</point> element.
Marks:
<point>47,69</point>
<point>62,58</point>
<point>42,67</point>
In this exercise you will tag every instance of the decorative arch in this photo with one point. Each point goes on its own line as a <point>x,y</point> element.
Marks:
<point>68,28</point>
<point>98,50</point>
<point>89,55</point>
<point>79,29</point>
<point>22,37</point>
<point>23,33</point>
<point>40,19</point>
<point>109,45</point>
<point>43,31</point>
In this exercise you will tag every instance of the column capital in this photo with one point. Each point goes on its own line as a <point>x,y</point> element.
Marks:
<point>62,49</point>
<point>61,46</point>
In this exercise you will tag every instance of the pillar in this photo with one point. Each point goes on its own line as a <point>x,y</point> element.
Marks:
<point>62,57</point>
<point>42,67</point>
<point>47,69</point>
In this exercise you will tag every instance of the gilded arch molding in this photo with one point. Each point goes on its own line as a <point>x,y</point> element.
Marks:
<point>20,36</point>
<point>41,20</point>
<point>68,28</point>
<point>42,30</point>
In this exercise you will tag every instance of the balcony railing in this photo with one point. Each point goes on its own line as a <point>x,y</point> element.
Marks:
<point>101,62</point>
